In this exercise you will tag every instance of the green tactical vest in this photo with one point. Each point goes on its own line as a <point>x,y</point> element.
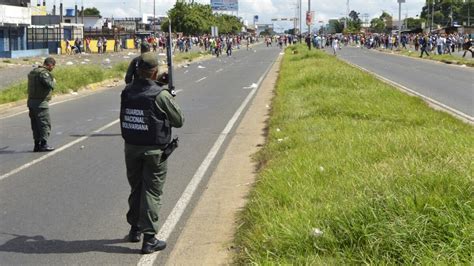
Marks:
<point>38,89</point>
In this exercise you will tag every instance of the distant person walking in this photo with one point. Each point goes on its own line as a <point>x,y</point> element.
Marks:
<point>104,45</point>
<point>424,46</point>
<point>41,84</point>
<point>68,47</point>
<point>335,45</point>
<point>99,45</point>
<point>88,45</point>
<point>467,47</point>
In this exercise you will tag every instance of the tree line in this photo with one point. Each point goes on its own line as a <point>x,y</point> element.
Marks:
<point>195,18</point>
<point>436,12</point>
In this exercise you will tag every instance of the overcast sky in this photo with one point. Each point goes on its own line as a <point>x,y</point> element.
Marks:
<point>265,9</point>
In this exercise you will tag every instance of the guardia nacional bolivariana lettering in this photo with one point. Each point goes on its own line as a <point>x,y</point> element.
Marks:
<point>134,120</point>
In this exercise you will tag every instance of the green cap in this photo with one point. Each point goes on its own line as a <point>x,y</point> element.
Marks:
<point>144,47</point>
<point>148,61</point>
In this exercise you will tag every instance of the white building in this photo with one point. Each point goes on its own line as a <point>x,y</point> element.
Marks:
<point>15,17</point>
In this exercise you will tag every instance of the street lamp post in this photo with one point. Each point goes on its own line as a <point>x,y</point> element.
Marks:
<point>432,15</point>
<point>309,13</point>
<point>154,17</point>
<point>301,22</point>
<point>400,20</point>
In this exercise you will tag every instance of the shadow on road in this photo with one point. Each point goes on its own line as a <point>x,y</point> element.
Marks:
<point>96,135</point>
<point>40,245</point>
<point>5,150</point>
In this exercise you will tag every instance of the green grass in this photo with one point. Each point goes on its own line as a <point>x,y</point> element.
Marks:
<point>445,58</point>
<point>386,179</point>
<point>180,57</point>
<point>74,78</point>
<point>67,78</point>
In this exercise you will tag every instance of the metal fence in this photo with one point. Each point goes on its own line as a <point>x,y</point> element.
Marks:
<point>44,37</point>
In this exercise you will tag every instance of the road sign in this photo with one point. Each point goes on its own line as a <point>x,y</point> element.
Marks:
<point>283,19</point>
<point>309,17</point>
<point>225,5</point>
<point>214,31</point>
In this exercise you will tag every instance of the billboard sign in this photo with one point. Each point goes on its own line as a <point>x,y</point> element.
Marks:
<point>225,5</point>
<point>309,17</point>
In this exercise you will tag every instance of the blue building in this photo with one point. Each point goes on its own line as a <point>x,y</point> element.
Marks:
<point>15,17</point>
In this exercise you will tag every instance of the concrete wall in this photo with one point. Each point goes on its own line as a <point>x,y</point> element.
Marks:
<point>25,53</point>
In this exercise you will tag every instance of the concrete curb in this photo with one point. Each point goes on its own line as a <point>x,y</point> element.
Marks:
<point>208,235</point>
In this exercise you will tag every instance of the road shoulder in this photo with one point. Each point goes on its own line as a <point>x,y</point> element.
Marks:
<point>208,235</point>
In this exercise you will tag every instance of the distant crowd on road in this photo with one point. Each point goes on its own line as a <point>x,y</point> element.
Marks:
<point>425,43</point>
<point>205,43</point>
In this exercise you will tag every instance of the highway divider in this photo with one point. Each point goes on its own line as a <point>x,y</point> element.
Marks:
<point>355,171</point>
<point>71,79</point>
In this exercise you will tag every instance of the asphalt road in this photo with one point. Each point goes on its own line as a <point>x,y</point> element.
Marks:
<point>448,84</point>
<point>69,208</point>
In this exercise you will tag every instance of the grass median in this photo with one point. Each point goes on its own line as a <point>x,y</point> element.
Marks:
<point>68,78</point>
<point>73,78</point>
<point>357,172</point>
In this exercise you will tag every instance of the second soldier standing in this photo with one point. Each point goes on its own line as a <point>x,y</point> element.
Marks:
<point>41,84</point>
<point>132,71</point>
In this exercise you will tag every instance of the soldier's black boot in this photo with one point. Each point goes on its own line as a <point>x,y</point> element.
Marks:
<point>151,244</point>
<point>44,147</point>
<point>134,234</point>
<point>37,146</point>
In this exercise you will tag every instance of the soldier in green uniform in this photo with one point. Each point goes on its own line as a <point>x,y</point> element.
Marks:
<point>40,87</point>
<point>147,114</point>
<point>132,71</point>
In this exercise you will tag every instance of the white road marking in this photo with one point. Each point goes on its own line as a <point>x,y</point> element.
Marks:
<point>253,86</point>
<point>46,156</point>
<point>197,81</point>
<point>465,117</point>
<point>185,198</point>
<point>70,144</point>
<point>219,70</point>
<point>51,104</point>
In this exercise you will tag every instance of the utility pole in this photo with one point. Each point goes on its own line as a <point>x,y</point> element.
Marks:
<point>469,14</point>
<point>301,21</point>
<point>400,20</point>
<point>348,11</point>
<point>309,24</point>
<point>82,12</point>
<point>432,15</point>
<point>154,16</point>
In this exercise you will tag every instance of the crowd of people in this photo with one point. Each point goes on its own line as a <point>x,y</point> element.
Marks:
<point>423,43</point>
<point>84,45</point>
<point>205,43</point>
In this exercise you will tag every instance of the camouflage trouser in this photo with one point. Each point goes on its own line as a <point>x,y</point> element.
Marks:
<point>40,123</point>
<point>146,175</point>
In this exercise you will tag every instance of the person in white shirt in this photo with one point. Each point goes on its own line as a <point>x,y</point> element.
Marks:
<point>335,45</point>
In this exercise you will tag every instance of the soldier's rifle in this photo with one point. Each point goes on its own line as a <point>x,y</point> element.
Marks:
<point>169,58</point>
